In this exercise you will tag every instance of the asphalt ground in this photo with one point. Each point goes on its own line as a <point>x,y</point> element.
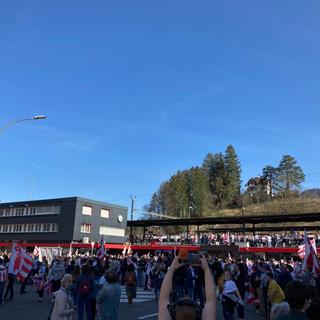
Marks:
<point>27,307</point>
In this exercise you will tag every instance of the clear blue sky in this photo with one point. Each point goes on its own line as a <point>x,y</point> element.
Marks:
<point>136,90</point>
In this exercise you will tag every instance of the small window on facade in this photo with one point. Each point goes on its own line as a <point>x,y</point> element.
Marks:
<point>105,213</point>
<point>85,240</point>
<point>87,210</point>
<point>86,228</point>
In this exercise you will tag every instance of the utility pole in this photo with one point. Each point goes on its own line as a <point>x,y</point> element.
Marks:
<point>132,209</point>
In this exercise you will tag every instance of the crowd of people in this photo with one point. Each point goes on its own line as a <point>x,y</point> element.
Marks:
<point>89,285</point>
<point>292,239</point>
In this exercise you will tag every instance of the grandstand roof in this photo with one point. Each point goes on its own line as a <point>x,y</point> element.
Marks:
<point>239,219</point>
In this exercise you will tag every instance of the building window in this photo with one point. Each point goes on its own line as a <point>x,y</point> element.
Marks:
<point>48,210</point>
<point>105,213</point>
<point>87,210</point>
<point>17,212</point>
<point>110,231</point>
<point>46,227</point>
<point>86,228</point>
<point>29,228</point>
<point>85,240</point>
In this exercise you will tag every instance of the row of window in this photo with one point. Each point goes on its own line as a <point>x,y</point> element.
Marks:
<point>104,230</point>
<point>29,227</point>
<point>104,213</point>
<point>29,211</point>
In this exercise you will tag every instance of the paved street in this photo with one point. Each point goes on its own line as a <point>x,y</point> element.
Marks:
<point>26,306</point>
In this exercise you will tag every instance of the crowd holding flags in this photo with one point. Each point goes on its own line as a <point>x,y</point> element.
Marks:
<point>127,249</point>
<point>20,262</point>
<point>101,251</point>
<point>36,251</point>
<point>310,259</point>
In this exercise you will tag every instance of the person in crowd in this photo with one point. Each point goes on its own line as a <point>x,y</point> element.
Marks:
<point>186,309</point>
<point>73,288</point>
<point>264,289</point>
<point>141,272</point>
<point>96,289</point>
<point>240,277</point>
<point>84,288</point>
<point>109,297</point>
<point>279,310</point>
<point>149,268</point>
<point>57,272</point>
<point>63,307</point>
<point>35,265</point>
<point>158,276</point>
<point>255,284</point>
<point>130,281</point>
<point>230,296</point>
<point>284,277</point>
<point>9,289</point>
<point>123,268</point>
<point>297,295</point>
<point>180,281</point>
<point>3,278</point>
<point>190,278</point>
<point>40,280</point>
<point>199,285</point>
<point>275,293</point>
<point>313,312</point>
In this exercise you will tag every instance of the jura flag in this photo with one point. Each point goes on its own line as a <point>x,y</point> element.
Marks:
<point>36,251</point>
<point>20,262</point>
<point>310,257</point>
<point>101,250</point>
<point>124,251</point>
<point>301,248</point>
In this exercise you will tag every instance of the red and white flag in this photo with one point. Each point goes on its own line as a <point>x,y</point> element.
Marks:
<point>124,251</point>
<point>101,251</point>
<point>20,262</point>
<point>36,251</point>
<point>301,248</point>
<point>310,255</point>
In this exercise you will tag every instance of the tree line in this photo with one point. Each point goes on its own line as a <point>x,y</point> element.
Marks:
<point>216,184</point>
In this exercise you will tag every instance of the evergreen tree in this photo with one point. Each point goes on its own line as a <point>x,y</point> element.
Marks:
<point>214,167</point>
<point>180,193</point>
<point>155,205</point>
<point>199,192</point>
<point>289,174</point>
<point>270,174</point>
<point>233,173</point>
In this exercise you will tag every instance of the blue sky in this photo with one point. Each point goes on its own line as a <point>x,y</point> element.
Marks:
<point>136,90</point>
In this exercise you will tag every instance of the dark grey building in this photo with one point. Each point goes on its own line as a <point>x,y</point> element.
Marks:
<point>62,220</point>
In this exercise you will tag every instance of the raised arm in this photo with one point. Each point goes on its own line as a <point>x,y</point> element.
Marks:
<point>209,311</point>
<point>166,289</point>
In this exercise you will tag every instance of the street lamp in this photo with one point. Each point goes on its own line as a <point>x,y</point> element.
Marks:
<point>190,210</point>
<point>92,246</point>
<point>10,124</point>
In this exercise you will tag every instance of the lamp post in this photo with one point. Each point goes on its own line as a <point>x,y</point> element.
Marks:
<point>92,246</point>
<point>190,211</point>
<point>10,124</point>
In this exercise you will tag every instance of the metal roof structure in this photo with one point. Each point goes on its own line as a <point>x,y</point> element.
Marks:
<point>241,219</point>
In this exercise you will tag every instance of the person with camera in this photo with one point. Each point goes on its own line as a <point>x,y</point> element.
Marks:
<point>186,309</point>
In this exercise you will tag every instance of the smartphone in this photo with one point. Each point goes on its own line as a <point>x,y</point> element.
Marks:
<point>193,259</point>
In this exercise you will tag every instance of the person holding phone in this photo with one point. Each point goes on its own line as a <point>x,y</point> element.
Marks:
<point>186,309</point>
